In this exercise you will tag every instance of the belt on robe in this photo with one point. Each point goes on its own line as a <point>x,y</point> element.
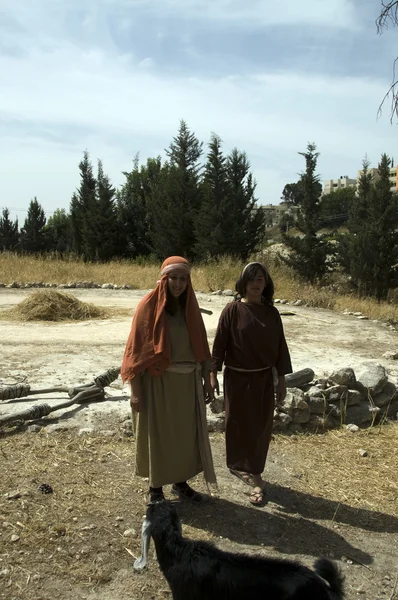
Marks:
<point>247,370</point>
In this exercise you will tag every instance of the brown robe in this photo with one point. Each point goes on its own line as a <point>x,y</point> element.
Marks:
<point>249,336</point>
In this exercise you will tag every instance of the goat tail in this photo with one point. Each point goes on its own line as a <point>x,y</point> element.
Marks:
<point>331,573</point>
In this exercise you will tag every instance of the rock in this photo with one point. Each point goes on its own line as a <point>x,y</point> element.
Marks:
<point>215,423</point>
<point>388,394</point>
<point>14,538</point>
<point>85,431</point>
<point>352,428</point>
<point>359,414</point>
<point>34,428</point>
<point>298,378</point>
<point>317,405</point>
<point>217,406</point>
<point>390,355</point>
<point>344,377</point>
<point>107,286</point>
<point>317,422</point>
<point>129,533</point>
<point>295,406</point>
<point>373,378</point>
<point>354,397</point>
<point>336,393</point>
<point>314,392</point>
<point>298,303</point>
<point>228,293</point>
<point>283,419</point>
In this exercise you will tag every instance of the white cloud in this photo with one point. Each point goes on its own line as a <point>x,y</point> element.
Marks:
<point>335,13</point>
<point>67,92</point>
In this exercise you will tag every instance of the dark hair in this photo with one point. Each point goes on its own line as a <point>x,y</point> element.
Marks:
<point>267,296</point>
<point>172,304</point>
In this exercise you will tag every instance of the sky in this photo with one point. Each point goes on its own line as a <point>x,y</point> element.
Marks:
<point>115,77</point>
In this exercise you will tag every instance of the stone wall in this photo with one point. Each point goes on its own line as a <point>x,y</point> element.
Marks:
<point>343,398</point>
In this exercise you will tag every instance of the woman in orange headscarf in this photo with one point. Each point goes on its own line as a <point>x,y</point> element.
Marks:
<point>167,363</point>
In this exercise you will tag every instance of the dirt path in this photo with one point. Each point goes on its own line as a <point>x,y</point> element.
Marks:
<point>294,523</point>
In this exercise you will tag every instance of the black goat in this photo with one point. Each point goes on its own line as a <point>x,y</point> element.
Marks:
<point>199,571</point>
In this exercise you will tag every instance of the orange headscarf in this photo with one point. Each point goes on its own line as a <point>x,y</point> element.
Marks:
<point>148,345</point>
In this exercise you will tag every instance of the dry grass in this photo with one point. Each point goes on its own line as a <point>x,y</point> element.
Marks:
<point>74,538</point>
<point>367,482</point>
<point>50,305</point>
<point>205,277</point>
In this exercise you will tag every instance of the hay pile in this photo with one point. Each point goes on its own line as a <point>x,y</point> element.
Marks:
<point>50,305</point>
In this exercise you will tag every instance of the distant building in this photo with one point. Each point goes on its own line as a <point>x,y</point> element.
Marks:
<point>274,212</point>
<point>393,177</point>
<point>331,185</point>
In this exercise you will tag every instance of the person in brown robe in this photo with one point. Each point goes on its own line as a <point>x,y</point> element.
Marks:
<point>250,342</point>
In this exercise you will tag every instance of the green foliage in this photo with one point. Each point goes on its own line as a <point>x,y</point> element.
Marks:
<point>335,207</point>
<point>308,250</point>
<point>175,197</point>
<point>8,232</point>
<point>83,211</point>
<point>132,200</point>
<point>373,232</point>
<point>58,232</point>
<point>105,226</point>
<point>33,236</point>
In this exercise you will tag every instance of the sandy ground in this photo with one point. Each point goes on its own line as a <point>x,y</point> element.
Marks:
<point>51,354</point>
<point>295,523</point>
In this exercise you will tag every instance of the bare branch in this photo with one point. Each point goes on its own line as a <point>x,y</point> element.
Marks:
<point>389,13</point>
<point>393,91</point>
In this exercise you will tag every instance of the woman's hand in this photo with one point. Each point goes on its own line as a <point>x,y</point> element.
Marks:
<point>208,390</point>
<point>281,389</point>
<point>214,383</point>
<point>136,394</point>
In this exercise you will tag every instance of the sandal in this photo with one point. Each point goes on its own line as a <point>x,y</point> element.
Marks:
<point>257,497</point>
<point>187,493</point>
<point>154,497</point>
<point>245,477</point>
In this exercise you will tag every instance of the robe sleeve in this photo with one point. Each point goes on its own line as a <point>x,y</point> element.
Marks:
<point>283,363</point>
<point>221,338</point>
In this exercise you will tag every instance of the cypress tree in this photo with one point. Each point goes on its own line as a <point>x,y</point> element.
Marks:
<point>33,236</point>
<point>308,251</point>
<point>245,227</point>
<point>105,226</point>
<point>175,197</point>
<point>373,237</point>
<point>58,231</point>
<point>8,232</point>
<point>132,208</point>
<point>83,211</point>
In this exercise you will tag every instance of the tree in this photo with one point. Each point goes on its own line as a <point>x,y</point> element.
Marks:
<point>175,197</point>
<point>308,251</point>
<point>373,232</point>
<point>293,193</point>
<point>83,211</point>
<point>389,13</point>
<point>214,217</point>
<point>132,200</point>
<point>58,232</point>
<point>105,227</point>
<point>247,220</point>
<point>335,207</point>
<point>8,232</point>
<point>33,236</point>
